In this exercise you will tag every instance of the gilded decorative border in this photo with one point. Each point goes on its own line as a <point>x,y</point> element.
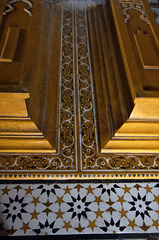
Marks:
<point>79,176</point>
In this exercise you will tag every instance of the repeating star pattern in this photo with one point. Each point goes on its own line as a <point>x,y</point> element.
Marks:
<point>14,208</point>
<point>79,207</point>
<point>96,208</point>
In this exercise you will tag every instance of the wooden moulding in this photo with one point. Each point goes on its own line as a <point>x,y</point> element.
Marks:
<point>28,110</point>
<point>131,120</point>
<point>102,99</point>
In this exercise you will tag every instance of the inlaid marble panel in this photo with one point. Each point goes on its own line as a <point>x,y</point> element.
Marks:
<point>79,208</point>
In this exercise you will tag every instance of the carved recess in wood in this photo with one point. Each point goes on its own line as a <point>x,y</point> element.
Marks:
<point>136,5</point>
<point>10,45</point>
<point>149,57</point>
<point>14,35</point>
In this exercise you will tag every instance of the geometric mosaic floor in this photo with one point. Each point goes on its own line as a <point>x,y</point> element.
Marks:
<point>79,208</point>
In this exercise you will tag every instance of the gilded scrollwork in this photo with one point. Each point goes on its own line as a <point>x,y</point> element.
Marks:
<point>10,6</point>
<point>136,5</point>
<point>67,102</point>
